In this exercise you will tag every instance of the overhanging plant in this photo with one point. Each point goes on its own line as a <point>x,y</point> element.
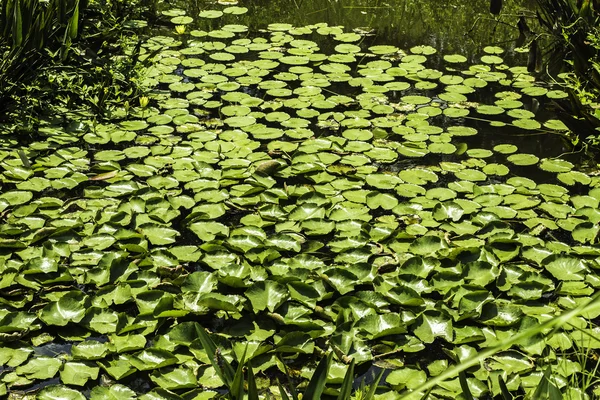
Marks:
<point>241,386</point>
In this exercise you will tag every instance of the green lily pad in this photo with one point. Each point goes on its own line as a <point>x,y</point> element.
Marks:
<point>527,123</point>
<point>565,268</point>
<point>235,10</point>
<point>267,295</point>
<point>159,234</point>
<point>557,94</point>
<point>523,159</point>
<point>133,125</point>
<point>455,58</point>
<point>211,14</point>
<point>555,165</point>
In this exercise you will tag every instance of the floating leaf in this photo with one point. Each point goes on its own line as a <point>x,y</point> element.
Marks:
<point>159,234</point>
<point>431,325</point>
<point>566,268</point>
<point>523,159</point>
<point>210,14</point>
<point>267,295</point>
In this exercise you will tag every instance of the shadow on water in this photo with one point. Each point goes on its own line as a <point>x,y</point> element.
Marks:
<point>450,27</point>
<point>453,26</point>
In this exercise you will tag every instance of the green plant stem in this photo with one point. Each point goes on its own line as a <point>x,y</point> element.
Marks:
<point>552,323</point>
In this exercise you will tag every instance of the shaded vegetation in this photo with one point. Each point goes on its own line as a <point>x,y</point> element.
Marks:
<point>267,208</point>
<point>573,58</point>
<point>64,57</point>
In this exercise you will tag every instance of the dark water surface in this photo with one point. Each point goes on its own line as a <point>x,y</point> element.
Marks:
<point>451,27</point>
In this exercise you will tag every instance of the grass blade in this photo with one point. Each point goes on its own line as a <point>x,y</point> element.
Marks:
<point>17,24</point>
<point>282,391</point>
<point>504,389</point>
<point>553,391</point>
<point>73,25</point>
<point>346,389</point>
<point>237,388</point>
<point>290,383</point>
<point>542,390</point>
<point>226,373</point>
<point>319,379</point>
<point>464,385</point>
<point>61,8</point>
<point>373,387</point>
<point>252,389</point>
<point>24,158</point>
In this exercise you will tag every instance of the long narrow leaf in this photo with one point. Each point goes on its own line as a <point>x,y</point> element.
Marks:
<point>290,383</point>
<point>504,389</point>
<point>546,389</point>
<point>237,388</point>
<point>252,389</point>
<point>426,395</point>
<point>553,391</point>
<point>225,372</point>
<point>373,387</point>
<point>17,24</point>
<point>319,379</point>
<point>464,385</point>
<point>541,392</point>
<point>282,391</point>
<point>73,26</point>
<point>346,389</point>
<point>61,7</point>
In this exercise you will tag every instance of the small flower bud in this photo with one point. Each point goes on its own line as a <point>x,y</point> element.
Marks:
<point>144,101</point>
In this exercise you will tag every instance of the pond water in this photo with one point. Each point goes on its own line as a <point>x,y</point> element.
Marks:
<point>449,27</point>
<point>379,180</point>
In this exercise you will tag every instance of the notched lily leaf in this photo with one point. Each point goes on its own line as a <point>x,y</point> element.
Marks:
<point>267,295</point>
<point>78,373</point>
<point>501,313</point>
<point>431,325</point>
<point>70,307</point>
<point>149,359</point>
<point>447,210</point>
<point>375,325</point>
<point>565,268</point>
<point>159,234</point>
<point>427,245</point>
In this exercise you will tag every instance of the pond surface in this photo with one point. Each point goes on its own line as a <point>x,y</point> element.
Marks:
<point>450,27</point>
<point>378,181</point>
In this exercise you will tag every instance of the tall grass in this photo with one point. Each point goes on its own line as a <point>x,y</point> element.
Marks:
<point>243,386</point>
<point>33,34</point>
<point>32,24</point>
<point>61,53</point>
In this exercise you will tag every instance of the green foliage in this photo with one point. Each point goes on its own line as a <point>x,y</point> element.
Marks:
<point>574,56</point>
<point>33,25</point>
<point>316,234</point>
<point>32,33</point>
<point>56,57</point>
<point>236,382</point>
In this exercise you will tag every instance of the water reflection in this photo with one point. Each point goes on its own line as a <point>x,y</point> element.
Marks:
<point>453,26</point>
<point>450,26</point>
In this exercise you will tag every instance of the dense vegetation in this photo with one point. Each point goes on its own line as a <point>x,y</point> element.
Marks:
<point>573,57</point>
<point>218,208</point>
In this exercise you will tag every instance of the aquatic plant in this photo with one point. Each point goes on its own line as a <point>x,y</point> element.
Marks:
<point>297,202</point>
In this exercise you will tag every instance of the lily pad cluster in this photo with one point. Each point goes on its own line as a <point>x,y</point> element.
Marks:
<point>293,201</point>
